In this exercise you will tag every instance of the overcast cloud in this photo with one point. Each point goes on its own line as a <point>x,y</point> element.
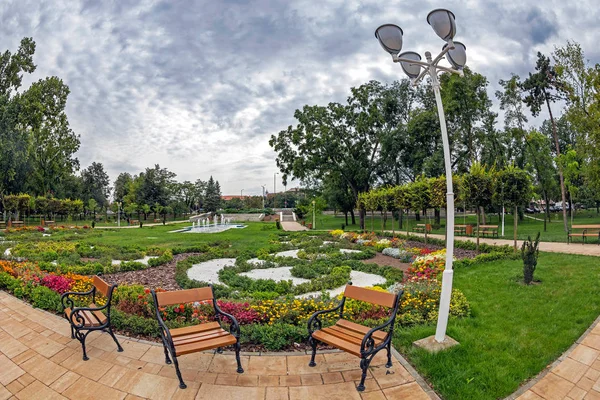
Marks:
<point>199,86</point>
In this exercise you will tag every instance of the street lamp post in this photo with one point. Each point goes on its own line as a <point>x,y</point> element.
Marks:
<point>390,38</point>
<point>119,214</point>
<point>263,196</point>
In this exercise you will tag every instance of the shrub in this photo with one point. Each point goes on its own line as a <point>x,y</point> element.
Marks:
<point>58,283</point>
<point>165,258</point>
<point>529,254</point>
<point>46,299</point>
<point>274,337</point>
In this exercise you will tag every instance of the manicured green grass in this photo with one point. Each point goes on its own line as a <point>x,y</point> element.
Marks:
<point>515,331</point>
<point>527,227</point>
<point>254,236</point>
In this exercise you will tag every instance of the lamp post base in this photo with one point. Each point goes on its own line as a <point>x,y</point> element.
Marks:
<point>433,346</point>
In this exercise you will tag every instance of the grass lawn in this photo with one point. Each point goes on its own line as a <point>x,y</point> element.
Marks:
<point>528,226</point>
<point>515,331</point>
<point>254,236</point>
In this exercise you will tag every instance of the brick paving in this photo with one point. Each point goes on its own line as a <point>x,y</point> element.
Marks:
<point>39,360</point>
<point>293,226</point>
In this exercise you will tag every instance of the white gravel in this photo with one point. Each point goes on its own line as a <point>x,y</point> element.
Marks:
<point>277,274</point>
<point>7,253</point>
<point>288,253</point>
<point>349,251</point>
<point>141,260</point>
<point>358,278</point>
<point>208,271</point>
<point>256,261</point>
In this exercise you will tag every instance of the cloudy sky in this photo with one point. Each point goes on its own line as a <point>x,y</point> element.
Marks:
<point>200,86</point>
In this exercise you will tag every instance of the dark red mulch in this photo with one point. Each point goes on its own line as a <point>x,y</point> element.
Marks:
<point>382,260</point>
<point>155,277</point>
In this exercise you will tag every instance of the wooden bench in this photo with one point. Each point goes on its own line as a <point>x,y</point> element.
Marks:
<point>195,338</point>
<point>134,222</point>
<point>463,229</point>
<point>2,225</point>
<point>584,231</point>
<point>84,320</point>
<point>491,230</point>
<point>354,338</point>
<point>49,223</point>
<point>15,224</point>
<point>425,228</point>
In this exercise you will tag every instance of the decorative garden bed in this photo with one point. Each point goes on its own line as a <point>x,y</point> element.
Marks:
<point>272,312</point>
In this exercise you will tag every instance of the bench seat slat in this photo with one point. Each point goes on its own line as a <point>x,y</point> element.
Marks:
<point>194,329</point>
<point>360,329</point>
<point>205,345</point>
<point>199,337</point>
<point>337,342</point>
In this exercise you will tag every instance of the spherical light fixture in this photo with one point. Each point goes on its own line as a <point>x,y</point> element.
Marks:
<point>412,70</point>
<point>442,22</point>
<point>390,38</point>
<point>457,56</point>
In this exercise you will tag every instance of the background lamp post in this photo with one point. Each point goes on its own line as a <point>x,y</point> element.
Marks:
<point>314,210</point>
<point>390,38</point>
<point>274,188</point>
<point>119,214</point>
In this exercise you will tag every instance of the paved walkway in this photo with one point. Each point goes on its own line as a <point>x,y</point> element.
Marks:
<point>39,360</point>
<point>551,247</point>
<point>293,226</point>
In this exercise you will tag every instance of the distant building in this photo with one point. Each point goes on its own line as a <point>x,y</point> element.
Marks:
<point>227,198</point>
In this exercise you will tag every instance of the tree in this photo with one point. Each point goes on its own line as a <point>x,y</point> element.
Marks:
<point>14,156</point>
<point>155,186</point>
<point>466,105</point>
<point>339,195</point>
<point>92,205</point>
<point>212,197</point>
<point>95,184</point>
<point>516,191</point>
<point>511,102</point>
<point>543,88</point>
<point>337,138</point>
<point>478,188</point>
<point>52,142</point>
<point>570,162</point>
<point>122,186</point>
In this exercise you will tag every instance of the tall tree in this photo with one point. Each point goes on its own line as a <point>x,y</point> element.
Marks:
<point>511,102</point>
<point>14,143</point>
<point>478,188</point>
<point>122,186</point>
<point>542,88</point>
<point>155,184</point>
<point>343,139</point>
<point>212,197</point>
<point>52,142</point>
<point>95,184</point>
<point>515,186</point>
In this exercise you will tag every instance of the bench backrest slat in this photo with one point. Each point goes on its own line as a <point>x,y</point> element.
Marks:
<point>489,226</point>
<point>370,296</point>
<point>184,296</point>
<point>100,285</point>
<point>586,226</point>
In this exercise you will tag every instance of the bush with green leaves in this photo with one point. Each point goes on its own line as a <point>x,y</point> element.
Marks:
<point>274,337</point>
<point>530,252</point>
<point>46,299</point>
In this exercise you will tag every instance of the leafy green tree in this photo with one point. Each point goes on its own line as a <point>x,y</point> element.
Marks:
<point>212,197</point>
<point>516,191</point>
<point>339,195</point>
<point>478,188</point>
<point>92,206</point>
<point>571,165</point>
<point>95,184</point>
<point>52,142</point>
<point>122,186</point>
<point>337,138</point>
<point>511,102</point>
<point>154,186</point>
<point>543,88</point>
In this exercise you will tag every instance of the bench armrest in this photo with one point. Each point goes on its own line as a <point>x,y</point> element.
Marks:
<point>314,323</point>
<point>164,330</point>
<point>367,345</point>
<point>77,320</point>
<point>234,326</point>
<point>67,301</point>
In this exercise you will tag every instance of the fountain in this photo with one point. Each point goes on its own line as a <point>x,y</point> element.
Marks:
<point>206,225</point>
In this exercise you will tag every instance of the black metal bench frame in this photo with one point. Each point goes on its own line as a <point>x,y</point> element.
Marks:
<point>368,349</point>
<point>79,330</point>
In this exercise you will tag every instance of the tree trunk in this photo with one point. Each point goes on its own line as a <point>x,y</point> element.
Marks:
<point>417,216</point>
<point>361,214</point>
<point>547,216</point>
<point>483,216</point>
<point>372,221</point>
<point>353,217</point>
<point>515,229</point>
<point>400,220</point>
<point>438,217</point>
<point>477,214</point>
<point>560,171</point>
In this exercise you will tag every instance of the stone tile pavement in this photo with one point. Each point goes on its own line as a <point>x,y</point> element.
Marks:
<point>292,226</point>
<point>39,360</point>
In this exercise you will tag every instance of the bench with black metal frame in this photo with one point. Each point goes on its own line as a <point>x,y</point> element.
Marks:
<point>85,320</point>
<point>354,338</point>
<point>195,338</point>
<point>586,231</point>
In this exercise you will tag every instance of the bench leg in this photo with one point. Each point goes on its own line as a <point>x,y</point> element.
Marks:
<point>182,384</point>
<point>240,370</point>
<point>313,344</point>
<point>119,348</point>
<point>220,350</point>
<point>72,332</point>
<point>81,337</point>
<point>389,355</point>
<point>364,365</point>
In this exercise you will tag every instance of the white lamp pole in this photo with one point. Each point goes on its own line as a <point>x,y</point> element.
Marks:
<point>119,214</point>
<point>390,38</point>
<point>314,210</point>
